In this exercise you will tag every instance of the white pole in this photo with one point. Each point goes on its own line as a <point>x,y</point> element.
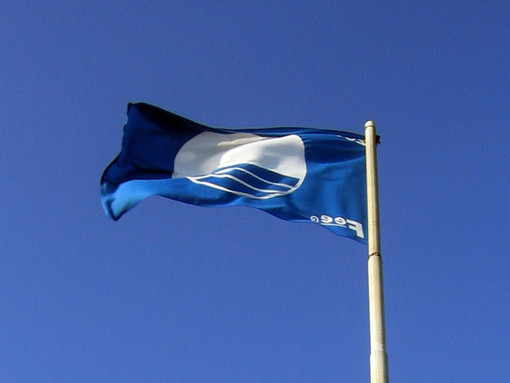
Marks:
<point>378,355</point>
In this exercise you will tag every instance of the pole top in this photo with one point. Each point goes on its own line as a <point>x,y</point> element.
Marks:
<point>369,123</point>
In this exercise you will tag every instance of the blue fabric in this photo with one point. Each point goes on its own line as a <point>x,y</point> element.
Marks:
<point>321,180</point>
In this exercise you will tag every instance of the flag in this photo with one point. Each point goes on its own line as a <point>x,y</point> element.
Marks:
<point>296,174</point>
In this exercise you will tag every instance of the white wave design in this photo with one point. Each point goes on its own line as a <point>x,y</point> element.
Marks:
<point>243,164</point>
<point>224,174</point>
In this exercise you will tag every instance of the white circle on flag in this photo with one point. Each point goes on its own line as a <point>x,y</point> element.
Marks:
<point>244,164</point>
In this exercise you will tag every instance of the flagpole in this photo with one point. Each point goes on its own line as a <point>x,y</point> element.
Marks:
<point>378,355</point>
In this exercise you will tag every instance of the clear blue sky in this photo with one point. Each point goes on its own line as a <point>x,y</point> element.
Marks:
<point>177,293</point>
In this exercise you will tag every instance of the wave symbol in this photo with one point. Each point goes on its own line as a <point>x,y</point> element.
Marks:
<point>244,164</point>
<point>250,181</point>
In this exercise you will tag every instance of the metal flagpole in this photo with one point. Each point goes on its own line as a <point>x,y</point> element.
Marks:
<point>378,355</point>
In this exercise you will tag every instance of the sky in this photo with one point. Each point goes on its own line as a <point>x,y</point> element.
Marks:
<point>179,293</point>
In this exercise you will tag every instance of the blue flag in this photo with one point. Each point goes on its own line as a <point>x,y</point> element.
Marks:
<point>297,174</point>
